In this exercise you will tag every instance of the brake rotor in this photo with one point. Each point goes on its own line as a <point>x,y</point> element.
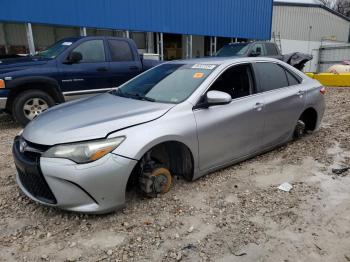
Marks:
<point>158,181</point>
<point>299,129</point>
<point>162,180</point>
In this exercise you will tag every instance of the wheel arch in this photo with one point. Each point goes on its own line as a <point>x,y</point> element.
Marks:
<point>176,154</point>
<point>310,117</point>
<point>46,84</point>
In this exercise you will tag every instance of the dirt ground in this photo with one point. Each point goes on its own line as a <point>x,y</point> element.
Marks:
<point>237,214</point>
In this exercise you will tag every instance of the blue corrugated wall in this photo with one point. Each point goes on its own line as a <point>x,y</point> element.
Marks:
<point>228,18</point>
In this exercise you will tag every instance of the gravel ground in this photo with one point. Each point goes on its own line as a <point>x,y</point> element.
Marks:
<point>236,214</point>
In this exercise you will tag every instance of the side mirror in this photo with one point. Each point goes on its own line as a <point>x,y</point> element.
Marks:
<point>217,98</point>
<point>255,53</point>
<point>74,57</point>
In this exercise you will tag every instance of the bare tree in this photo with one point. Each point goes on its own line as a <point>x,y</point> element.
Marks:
<point>343,7</point>
<point>328,3</point>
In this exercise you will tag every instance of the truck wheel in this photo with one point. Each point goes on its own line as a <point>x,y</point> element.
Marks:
<point>28,104</point>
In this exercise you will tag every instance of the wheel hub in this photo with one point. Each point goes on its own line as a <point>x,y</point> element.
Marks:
<point>156,182</point>
<point>33,107</point>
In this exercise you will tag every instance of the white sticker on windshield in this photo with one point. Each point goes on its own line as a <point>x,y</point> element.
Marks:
<point>67,43</point>
<point>206,67</point>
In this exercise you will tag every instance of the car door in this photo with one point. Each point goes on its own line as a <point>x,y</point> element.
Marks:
<point>124,64</point>
<point>231,131</point>
<point>91,72</point>
<point>284,101</point>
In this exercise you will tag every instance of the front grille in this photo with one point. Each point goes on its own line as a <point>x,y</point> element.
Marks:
<point>36,185</point>
<point>29,173</point>
<point>34,151</point>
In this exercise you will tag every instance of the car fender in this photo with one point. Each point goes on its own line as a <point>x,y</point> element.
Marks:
<point>173,127</point>
<point>15,85</point>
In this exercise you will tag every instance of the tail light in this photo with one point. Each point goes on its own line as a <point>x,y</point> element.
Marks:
<point>323,90</point>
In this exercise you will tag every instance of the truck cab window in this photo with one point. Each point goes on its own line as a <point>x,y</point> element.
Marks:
<point>120,51</point>
<point>258,49</point>
<point>236,81</point>
<point>93,51</point>
<point>271,49</point>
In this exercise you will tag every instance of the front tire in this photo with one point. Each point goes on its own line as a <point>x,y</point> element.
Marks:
<point>29,104</point>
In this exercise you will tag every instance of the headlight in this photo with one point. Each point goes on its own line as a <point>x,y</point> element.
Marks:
<point>84,152</point>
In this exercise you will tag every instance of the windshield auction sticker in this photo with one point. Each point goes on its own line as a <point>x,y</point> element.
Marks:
<point>198,75</point>
<point>201,66</point>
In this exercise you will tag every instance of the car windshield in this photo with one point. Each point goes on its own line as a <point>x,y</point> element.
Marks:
<point>57,48</point>
<point>233,50</point>
<point>167,83</point>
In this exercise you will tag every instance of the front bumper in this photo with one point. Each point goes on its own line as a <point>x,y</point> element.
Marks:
<point>97,187</point>
<point>3,98</point>
<point>3,102</point>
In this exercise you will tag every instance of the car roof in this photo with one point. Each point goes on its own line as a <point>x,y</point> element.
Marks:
<point>223,60</point>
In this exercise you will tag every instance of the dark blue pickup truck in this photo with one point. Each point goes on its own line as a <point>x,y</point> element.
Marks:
<point>72,66</point>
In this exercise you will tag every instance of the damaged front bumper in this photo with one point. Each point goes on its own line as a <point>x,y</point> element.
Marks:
<point>97,187</point>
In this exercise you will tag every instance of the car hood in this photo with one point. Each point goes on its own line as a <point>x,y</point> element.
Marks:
<point>15,64</point>
<point>91,118</point>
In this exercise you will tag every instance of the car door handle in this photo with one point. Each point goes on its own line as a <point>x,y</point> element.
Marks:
<point>258,106</point>
<point>133,68</point>
<point>300,93</point>
<point>102,69</point>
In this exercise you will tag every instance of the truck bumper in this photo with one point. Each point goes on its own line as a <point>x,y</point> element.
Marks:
<point>3,101</point>
<point>3,98</point>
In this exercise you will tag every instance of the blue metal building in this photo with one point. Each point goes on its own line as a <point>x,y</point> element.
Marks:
<point>226,18</point>
<point>195,20</point>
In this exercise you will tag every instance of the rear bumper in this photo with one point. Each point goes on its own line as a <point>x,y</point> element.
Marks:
<point>97,187</point>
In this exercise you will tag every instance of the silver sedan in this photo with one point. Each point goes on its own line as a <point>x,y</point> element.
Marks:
<point>184,118</point>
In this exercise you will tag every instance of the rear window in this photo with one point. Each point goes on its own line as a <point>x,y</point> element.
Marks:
<point>271,76</point>
<point>120,51</point>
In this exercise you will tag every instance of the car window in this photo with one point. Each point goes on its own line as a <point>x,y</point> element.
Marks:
<point>236,81</point>
<point>92,51</point>
<point>57,48</point>
<point>120,51</point>
<point>258,48</point>
<point>292,80</point>
<point>271,76</point>
<point>233,50</point>
<point>271,49</point>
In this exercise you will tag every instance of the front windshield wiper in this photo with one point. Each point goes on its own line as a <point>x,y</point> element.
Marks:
<point>135,96</point>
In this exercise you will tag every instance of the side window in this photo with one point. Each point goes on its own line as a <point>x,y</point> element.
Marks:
<point>258,49</point>
<point>292,80</point>
<point>236,81</point>
<point>271,49</point>
<point>93,51</point>
<point>271,76</point>
<point>120,51</point>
